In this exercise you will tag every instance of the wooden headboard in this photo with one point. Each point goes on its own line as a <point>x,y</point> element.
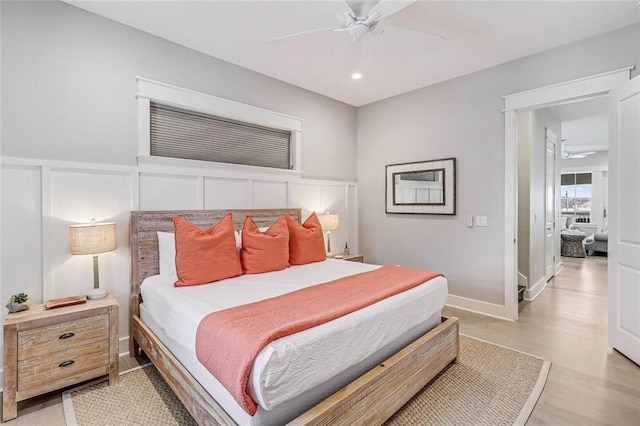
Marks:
<point>144,240</point>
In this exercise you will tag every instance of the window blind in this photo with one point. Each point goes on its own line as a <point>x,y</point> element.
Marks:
<point>179,133</point>
<point>575,179</point>
<point>583,178</point>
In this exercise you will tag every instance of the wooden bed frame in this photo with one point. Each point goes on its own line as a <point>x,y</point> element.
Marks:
<point>370,399</point>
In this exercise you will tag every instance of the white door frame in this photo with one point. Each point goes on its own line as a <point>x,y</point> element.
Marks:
<point>567,92</point>
<point>550,139</point>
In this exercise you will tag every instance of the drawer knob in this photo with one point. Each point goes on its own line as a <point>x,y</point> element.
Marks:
<point>66,363</point>
<point>66,335</point>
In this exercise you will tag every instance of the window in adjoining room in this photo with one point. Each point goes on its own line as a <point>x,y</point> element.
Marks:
<point>575,192</point>
<point>179,133</point>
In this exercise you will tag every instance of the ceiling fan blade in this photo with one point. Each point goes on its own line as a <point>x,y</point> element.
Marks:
<point>361,8</point>
<point>412,38</point>
<point>571,155</point>
<point>303,33</point>
<point>372,18</point>
<point>345,19</point>
<point>389,7</point>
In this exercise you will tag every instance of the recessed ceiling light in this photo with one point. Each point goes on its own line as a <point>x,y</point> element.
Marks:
<point>356,76</point>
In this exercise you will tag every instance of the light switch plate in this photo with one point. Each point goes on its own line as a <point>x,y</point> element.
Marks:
<point>470,221</point>
<point>481,221</point>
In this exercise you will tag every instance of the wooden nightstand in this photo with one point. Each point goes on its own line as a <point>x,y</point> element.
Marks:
<point>46,350</point>
<point>351,257</point>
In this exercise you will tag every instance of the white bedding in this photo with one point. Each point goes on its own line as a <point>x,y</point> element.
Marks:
<point>294,364</point>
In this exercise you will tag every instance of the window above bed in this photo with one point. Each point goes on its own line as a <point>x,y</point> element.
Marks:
<point>181,127</point>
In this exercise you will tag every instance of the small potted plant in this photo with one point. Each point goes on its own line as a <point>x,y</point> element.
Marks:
<point>19,302</point>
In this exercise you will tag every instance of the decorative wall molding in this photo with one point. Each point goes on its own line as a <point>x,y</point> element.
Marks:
<point>585,87</point>
<point>42,197</point>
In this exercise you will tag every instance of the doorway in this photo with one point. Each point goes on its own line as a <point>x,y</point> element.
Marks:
<point>567,92</point>
<point>558,144</point>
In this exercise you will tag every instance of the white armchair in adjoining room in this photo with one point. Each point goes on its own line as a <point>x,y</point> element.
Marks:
<point>597,243</point>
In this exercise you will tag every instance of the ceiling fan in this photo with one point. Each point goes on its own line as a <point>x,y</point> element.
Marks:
<point>565,155</point>
<point>364,18</point>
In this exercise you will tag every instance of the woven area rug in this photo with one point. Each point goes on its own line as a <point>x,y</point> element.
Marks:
<point>490,385</point>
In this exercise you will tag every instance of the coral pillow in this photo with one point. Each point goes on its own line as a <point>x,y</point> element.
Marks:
<point>264,252</point>
<point>306,241</point>
<point>204,256</point>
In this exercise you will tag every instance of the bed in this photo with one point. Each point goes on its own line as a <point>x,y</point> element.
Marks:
<point>368,392</point>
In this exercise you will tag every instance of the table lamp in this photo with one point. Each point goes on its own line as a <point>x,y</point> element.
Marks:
<point>93,238</point>
<point>329,222</point>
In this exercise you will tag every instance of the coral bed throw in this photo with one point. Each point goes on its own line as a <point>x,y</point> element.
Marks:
<point>228,341</point>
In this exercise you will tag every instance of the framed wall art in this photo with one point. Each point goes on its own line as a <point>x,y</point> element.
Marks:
<point>421,187</point>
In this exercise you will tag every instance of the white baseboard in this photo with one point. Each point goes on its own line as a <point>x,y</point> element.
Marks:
<point>123,346</point>
<point>559,267</point>
<point>478,307</point>
<point>533,292</point>
<point>522,280</point>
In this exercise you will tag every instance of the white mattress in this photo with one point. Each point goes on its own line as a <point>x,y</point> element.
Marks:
<point>294,364</point>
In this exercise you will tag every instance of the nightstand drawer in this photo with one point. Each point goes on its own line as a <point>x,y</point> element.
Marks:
<point>49,349</point>
<point>46,369</point>
<point>56,337</point>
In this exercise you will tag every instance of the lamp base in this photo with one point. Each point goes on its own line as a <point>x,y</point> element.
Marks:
<point>96,293</point>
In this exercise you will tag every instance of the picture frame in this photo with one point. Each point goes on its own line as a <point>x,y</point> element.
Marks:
<point>421,187</point>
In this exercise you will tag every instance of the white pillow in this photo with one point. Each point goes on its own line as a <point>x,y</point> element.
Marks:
<point>563,223</point>
<point>167,252</point>
<point>238,239</point>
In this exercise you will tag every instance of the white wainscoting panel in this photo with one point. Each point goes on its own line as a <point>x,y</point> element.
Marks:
<point>170,192</point>
<point>305,196</point>
<point>269,195</point>
<point>223,193</point>
<point>352,215</point>
<point>333,200</point>
<point>77,196</point>
<point>41,198</point>
<point>21,269</point>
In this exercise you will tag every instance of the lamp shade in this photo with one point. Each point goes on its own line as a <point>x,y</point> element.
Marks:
<point>92,238</point>
<point>329,222</point>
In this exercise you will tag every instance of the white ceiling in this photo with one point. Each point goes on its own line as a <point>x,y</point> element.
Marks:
<point>585,125</point>
<point>479,35</point>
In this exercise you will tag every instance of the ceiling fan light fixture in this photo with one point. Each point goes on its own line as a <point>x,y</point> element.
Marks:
<point>358,29</point>
<point>356,75</point>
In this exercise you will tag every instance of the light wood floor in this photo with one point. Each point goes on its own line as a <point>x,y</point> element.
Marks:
<point>589,383</point>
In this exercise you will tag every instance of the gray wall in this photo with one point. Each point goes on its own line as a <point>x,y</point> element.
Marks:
<point>68,90</point>
<point>462,118</point>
